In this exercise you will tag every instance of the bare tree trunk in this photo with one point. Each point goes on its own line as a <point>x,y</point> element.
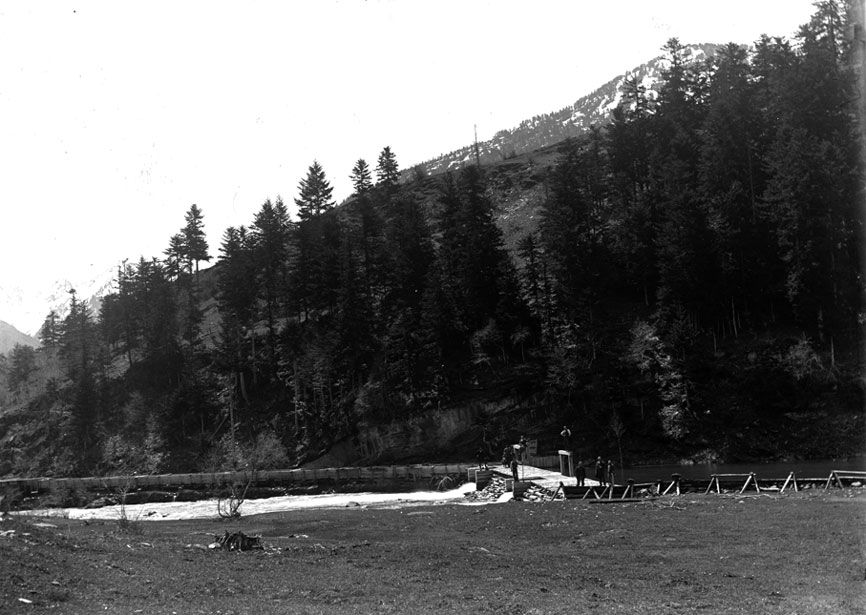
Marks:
<point>734,318</point>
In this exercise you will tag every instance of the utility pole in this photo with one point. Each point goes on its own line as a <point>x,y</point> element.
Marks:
<point>477,155</point>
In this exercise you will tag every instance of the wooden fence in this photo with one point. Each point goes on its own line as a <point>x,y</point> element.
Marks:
<point>716,483</point>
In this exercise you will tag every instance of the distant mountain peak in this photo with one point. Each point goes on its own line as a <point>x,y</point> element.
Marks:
<point>26,310</point>
<point>547,129</point>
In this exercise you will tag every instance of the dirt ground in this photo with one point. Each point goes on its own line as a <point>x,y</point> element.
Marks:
<point>797,553</point>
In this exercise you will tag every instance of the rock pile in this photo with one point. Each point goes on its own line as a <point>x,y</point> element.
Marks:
<point>539,494</point>
<point>496,488</point>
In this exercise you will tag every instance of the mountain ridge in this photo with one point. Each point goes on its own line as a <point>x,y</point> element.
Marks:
<point>11,337</point>
<point>20,310</point>
<point>547,129</point>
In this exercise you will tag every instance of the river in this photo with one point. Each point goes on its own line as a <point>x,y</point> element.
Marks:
<point>207,509</point>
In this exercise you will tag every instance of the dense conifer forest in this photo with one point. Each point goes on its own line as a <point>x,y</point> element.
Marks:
<point>690,285</point>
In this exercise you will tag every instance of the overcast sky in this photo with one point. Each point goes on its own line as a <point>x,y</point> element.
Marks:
<point>115,117</point>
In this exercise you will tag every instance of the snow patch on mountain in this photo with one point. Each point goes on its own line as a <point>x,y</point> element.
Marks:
<point>547,129</point>
<point>27,308</point>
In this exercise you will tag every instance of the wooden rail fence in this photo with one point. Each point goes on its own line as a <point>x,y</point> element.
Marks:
<point>715,484</point>
<point>837,476</point>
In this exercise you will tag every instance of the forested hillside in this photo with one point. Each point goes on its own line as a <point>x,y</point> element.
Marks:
<point>683,282</point>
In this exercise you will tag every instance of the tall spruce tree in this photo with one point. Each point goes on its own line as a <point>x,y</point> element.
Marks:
<point>270,234</point>
<point>314,193</point>
<point>51,330</point>
<point>362,180</point>
<point>175,255</point>
<point>237,293</point>
<point>387,171</point>
<point>194,239</point>
<point>80,351</point>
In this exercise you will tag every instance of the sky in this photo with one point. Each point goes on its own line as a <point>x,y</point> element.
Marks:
<point>115,117</point>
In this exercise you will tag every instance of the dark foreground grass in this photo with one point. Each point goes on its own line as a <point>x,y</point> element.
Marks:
<point>797,553</point>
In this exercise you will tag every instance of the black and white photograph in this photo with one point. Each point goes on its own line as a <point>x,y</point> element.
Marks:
<point>468,306</point>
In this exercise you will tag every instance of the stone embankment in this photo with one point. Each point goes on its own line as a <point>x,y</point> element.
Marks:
<point>498,487</point>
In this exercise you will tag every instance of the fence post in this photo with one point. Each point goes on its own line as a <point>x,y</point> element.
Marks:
<point>629,490</point>
<point>791,477</point>
<point>675,482</point>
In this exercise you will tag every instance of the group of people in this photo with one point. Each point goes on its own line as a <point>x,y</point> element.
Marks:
<point>512,456</point>
<point>604,472</point>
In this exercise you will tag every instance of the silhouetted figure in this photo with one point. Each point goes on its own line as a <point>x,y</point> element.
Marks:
<point>581,473</point>
<point>514,468</point>
<point>507,456</point>
<point>481,458</point>
<point>566,438</point>
<point>600,472</point>
<point>610,472</point>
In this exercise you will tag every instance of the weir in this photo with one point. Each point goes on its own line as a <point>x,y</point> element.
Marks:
<point>258,478</point>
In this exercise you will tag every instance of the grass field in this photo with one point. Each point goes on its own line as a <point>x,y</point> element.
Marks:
<point>795,553</point>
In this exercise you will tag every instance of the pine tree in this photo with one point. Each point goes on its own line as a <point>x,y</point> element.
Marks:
<point>361,178</point>
<point>175,255</point>
<point>194,240</point>
<point>387,172</point>
<point>237,292</point>
<point>157,316</point>
<point>120,314</point>
<point>51,331</point>
<point>237,276</point>
<point>270,233</point>
<point>79,343</point>
<point>314,193</point>
<point>80,352</point>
